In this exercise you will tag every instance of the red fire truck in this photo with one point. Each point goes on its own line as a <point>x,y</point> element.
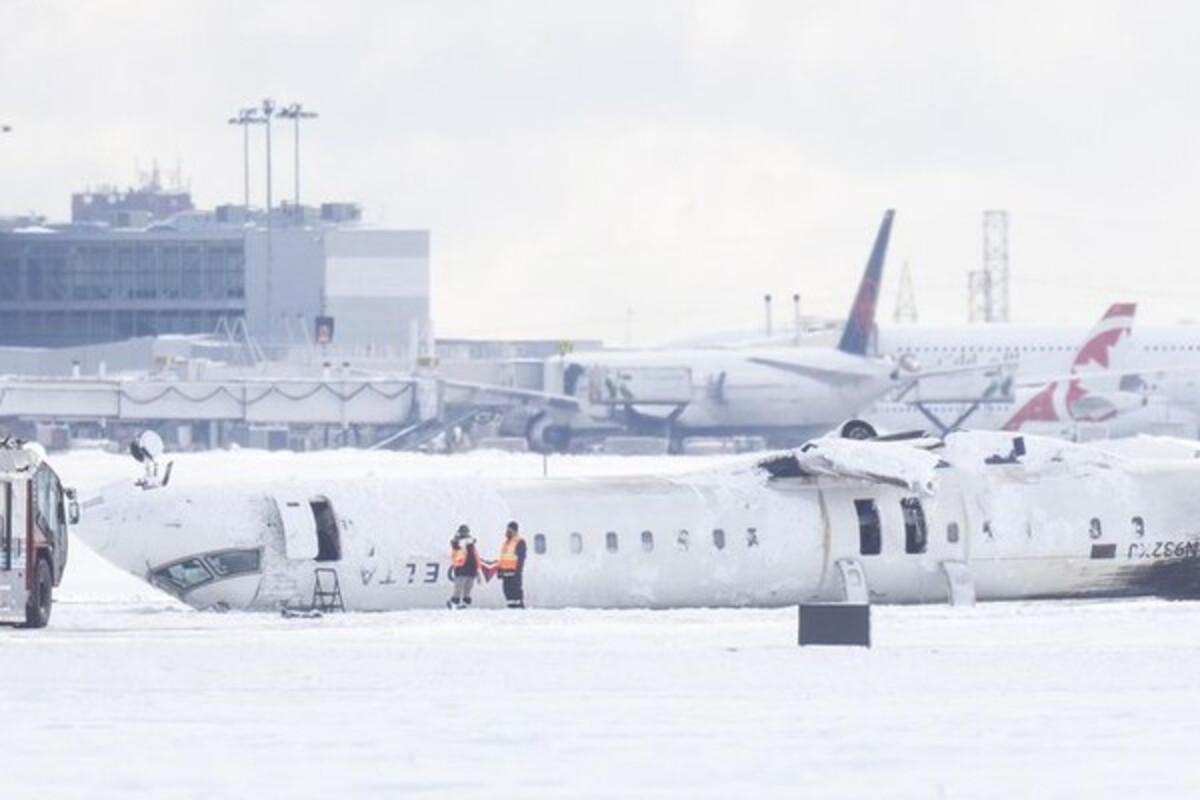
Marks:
<point>35,511</point>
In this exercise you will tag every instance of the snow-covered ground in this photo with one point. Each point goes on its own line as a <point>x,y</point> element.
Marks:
<point>130,694</point>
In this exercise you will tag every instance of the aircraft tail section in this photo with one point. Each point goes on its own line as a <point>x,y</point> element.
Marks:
<point>1059,401</point>
<point>860,323</point>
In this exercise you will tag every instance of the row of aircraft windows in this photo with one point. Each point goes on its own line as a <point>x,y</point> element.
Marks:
<point>1155,348</point>
<point>612,541</point>
<point>916,535</point>
<point>870,532</point>
<point>990,348</point>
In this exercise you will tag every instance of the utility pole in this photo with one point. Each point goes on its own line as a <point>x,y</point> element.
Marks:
<point>796,318</point>
<point>906,300</point>
<point>246,117</point>
<point>295,112</point>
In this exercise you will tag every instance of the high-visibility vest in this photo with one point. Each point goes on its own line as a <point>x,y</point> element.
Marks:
<point>458,558</point>
<point>508,554</point>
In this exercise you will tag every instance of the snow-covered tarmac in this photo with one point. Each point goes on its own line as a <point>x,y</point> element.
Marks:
<point>129,694</point>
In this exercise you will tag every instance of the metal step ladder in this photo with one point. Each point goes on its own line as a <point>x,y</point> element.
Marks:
<point>327,590</point>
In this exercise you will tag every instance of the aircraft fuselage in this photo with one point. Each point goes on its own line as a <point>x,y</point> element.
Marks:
<point>746,535</point>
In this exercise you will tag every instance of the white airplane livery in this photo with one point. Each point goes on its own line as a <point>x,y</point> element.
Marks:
<point>1107,389</point>
<point>775,391</point>
<point>987,515</point>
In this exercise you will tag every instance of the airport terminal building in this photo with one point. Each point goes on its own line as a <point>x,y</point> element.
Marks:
<point>94,280</point>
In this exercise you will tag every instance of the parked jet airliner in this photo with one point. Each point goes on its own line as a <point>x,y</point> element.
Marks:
<point>1103,393</point>
<point>779,392</point>
<point>990,515</point>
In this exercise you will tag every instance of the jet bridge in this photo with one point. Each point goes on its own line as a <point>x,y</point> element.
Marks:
<point>259,401</point>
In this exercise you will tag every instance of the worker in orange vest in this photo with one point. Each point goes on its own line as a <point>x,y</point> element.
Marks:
<point>512,565</point>
<point>464,561</point>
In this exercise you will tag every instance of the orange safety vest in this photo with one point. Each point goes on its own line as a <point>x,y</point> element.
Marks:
<point>508,554</point>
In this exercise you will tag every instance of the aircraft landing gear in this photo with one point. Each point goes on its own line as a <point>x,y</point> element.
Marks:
<point>857,429</point>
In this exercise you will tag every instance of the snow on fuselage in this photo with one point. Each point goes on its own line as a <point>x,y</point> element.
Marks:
<point>1061,521</point>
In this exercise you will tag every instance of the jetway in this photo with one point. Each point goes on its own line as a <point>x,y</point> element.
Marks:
<point>388,401</point>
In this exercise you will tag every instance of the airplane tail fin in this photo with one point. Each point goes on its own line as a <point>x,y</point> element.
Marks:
<point>860,323</point>
<point>1097,348</point>
<point>1054,401</point>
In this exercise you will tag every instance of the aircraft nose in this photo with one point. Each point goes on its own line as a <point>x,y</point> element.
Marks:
<point>102,529</point>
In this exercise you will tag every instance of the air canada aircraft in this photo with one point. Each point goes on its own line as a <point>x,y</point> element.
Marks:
<point>1101,396</point>
<point>976,515</point>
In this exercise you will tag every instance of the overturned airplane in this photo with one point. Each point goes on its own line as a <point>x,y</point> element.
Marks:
<point>987,515</point>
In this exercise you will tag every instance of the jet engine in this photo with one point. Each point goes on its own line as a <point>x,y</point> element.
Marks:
<point>1102,406</point>
<point>545,434</point>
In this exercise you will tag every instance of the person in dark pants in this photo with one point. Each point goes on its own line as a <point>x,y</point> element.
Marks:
<point>512,566</point>
<point>464,560</point>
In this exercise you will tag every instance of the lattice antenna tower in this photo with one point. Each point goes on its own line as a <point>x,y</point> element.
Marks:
<point>905,312</point>
<point>987,288</point>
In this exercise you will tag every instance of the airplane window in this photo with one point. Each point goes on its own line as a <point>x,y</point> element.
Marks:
<point>576,543</point>
<point>610,541</point>
<point>1094,529</point>
<point>915,534</point>
<point>539,543</point>
<point>952,533</point>
<point>233,562</point>
<point>719,538</point>
<point>681,541</point>
<point>182,576</point>
<point>870,540</point>
<point>1139,527</point>
<point>647,541</point>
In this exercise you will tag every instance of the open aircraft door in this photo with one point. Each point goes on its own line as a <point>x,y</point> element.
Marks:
<point>299,528</point>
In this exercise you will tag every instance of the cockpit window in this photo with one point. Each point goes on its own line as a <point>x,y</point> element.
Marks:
<point>182,576</point>
<point>233,562</point>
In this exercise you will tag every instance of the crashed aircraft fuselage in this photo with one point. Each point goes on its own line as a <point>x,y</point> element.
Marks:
<point>976,516</point>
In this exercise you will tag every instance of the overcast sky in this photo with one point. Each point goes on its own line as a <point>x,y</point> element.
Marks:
<point>576,160</point>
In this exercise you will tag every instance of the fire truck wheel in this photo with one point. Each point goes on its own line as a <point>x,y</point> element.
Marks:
<point>37,612</point>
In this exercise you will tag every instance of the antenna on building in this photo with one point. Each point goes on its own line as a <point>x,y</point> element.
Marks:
<point>906,300</point>
<point>987,288</point>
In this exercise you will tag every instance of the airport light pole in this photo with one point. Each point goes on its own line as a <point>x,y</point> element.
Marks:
<point>295,112</point>
<point>268,110</point>
<point>246,117</point>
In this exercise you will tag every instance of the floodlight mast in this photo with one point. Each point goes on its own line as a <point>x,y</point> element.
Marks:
<point>246,117</point>
<point>296,112</point>
<point>268,110</point>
